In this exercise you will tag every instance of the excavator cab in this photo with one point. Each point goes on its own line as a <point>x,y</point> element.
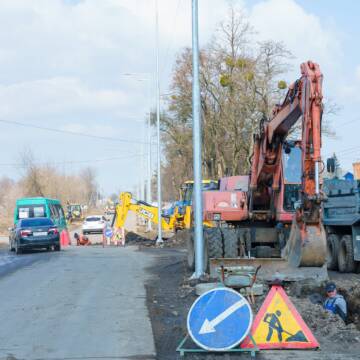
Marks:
<point>291,182</point>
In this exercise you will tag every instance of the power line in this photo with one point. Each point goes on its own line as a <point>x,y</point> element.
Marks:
<point>74,161</point>
<point>107,138</point>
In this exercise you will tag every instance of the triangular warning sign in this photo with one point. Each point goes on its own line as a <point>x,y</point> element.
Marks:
<point>278,325</point>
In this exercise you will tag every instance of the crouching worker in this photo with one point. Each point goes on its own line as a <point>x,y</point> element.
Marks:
<point>335,302</point>
<point>81,240</point>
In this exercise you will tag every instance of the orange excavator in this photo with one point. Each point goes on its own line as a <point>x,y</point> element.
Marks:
<point>272,217</point>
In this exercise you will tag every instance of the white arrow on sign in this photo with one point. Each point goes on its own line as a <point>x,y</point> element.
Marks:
<point>209,326</point>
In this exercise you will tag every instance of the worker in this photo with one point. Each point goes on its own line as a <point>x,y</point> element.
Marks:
<point>335,302</point>
<point>81,240</point>
<point>274,324</point>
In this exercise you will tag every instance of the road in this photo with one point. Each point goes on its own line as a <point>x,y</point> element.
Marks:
<point>81,303</point>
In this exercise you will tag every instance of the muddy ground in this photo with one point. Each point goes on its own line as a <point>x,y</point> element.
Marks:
<point>170,295</point>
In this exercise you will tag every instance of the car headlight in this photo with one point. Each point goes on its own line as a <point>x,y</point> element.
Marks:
<point>217,217</point>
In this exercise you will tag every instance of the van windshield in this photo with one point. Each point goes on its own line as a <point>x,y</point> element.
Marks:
<point>31,211</point>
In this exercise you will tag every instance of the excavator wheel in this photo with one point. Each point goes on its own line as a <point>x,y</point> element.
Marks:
<point>306,248</point>
<point>214,242</point>
<point>230,240</point>
<point>333,243</point>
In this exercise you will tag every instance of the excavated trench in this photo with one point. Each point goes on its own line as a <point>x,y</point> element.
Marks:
<point>350,289</point>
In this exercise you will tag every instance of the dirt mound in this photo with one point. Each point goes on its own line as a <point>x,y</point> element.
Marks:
<point>149,239</point>
<point>325,324</point>
<point>137,239</point>
<point>352,296</point>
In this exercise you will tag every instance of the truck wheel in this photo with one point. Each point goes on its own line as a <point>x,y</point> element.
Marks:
<point>214,243</point>
<point>230,239</point>
<point>346,255</point>
<point>333,243</point>
<point>190,251</point>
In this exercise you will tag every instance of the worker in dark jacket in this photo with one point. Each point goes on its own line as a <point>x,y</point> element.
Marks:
<point>334,302</point>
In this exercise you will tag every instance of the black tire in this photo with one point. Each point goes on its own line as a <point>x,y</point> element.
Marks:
<point>230,239</point>
<point>333,243</point>
<point>346,260</point>
<point>190,251</point>
<point>214,243</point>
<point>57,247</point>
<point>18,250</point>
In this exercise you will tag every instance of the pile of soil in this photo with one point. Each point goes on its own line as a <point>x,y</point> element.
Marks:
<point>148,239</point>
<point>327,327</point>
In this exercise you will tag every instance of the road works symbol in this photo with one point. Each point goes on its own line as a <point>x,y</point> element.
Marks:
<point>219,319</point>
<point>278,325</point>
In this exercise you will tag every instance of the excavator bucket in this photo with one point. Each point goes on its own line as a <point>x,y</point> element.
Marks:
<point>306,245</point>
<point>303,258</point>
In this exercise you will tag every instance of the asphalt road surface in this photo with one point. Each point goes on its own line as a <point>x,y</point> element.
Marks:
<point>80,303</point>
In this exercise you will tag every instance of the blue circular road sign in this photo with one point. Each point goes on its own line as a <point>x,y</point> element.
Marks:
<point>108,232</point>
<point>219,319</point>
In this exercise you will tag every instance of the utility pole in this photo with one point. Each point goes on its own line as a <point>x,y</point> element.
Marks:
<point>148,190</point>
<point>196,114</point>
<point>159,238</point>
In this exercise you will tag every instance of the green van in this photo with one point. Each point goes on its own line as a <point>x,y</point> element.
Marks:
<point>40,207</point>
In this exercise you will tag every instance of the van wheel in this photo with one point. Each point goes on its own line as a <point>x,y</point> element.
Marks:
<point>333,243</point>
<point>346,255</point>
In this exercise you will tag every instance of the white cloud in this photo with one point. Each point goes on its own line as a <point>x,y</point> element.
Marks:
<point>55,96</point>
<point>303,33</point>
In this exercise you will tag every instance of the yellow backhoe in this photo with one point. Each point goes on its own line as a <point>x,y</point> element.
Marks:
<point>143,209</point>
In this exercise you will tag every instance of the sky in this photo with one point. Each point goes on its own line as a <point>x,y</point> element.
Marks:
<point>87,66</point>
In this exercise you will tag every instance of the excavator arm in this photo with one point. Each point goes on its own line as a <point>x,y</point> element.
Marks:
<point>144,210</point>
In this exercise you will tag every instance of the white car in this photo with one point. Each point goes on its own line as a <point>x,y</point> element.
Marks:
<point>94,224</point>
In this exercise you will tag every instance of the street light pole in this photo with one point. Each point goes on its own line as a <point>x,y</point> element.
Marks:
<point>159,238</point>
<point>196,109</point>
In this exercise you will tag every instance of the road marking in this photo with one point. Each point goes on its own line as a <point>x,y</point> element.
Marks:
<point>209,326</point>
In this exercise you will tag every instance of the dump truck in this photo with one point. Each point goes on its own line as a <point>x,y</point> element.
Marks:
<point>341,217</point>
<point>274,213</point>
